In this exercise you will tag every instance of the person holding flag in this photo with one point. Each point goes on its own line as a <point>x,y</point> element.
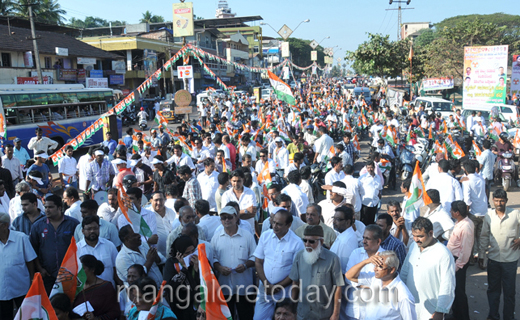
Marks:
<point>146,307</point>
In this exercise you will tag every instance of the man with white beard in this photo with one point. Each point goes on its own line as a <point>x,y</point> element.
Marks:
<point>317,278</point>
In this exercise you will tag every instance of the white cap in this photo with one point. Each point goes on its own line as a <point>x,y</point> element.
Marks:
<point>133,162</point>
<point>278,139</point>
<point>156,161</point>
<point>99,153</point>
<point>119,161</point>
<point>42,155</point>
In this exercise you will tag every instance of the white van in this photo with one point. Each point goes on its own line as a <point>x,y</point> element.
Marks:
<point>505,111</point>
<point>444,107</point>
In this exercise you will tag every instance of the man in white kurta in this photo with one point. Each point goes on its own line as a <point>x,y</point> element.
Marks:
<point>429,272</point>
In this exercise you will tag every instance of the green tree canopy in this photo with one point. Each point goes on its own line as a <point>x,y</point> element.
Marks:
<point>301,52</point>
<point>45,11</point>
<point>148,17</point>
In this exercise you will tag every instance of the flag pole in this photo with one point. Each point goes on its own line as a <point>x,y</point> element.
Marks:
<point>411,58</point>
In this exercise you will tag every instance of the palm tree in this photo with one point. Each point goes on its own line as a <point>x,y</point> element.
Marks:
<point>6,7</point>
<point>47,11</point>
<point>149,17</point>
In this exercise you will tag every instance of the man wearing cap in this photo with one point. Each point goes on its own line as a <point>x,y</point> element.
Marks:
<point>41,167</point>
<point>316,278</point>
<point>275,254</point>
<point>109,143</point>
<point>192,190</point>
<point>20,152</point>
<point>100,173</point>
<point>233,249</point>
<point>143,173</point>
<point>122,171</point>
<point>162,176</point>
<point>41,143</point>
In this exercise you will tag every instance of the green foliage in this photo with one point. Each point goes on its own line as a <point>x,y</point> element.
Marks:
<point>425,37</point>
<point>380,57</point>
<point>6,7</point>
<point>500,19</point>
<point>148,17</point>
<point>301,52</point>
<point>93,22</point>
<point>335,71</point>
<point>45,11</point>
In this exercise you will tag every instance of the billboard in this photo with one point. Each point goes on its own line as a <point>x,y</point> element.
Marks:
<point>431,84</point>
<point>484,75</point>
<point>97,83</point>
<point>183,19</point>
<point>150,62</point>
<point>314,55</point>
<point>116,79</point>
<point>285,50</point>
<point>515,76</point>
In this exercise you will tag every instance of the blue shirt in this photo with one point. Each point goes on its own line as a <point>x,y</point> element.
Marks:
<point>50,244</point>
<point>23,224</point>
<point>128,141</point>
<point>111,144</point>
<point>44,169</point>
<point>21,155</point>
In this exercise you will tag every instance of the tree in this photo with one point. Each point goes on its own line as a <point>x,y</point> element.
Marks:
<point>426,36</point>
<point>500,19</point>
<point>445,55</point>
<point>148,17</point>
<point>301,52</point>
<point>6,7</point>
<point>45,11</point>
<point>380,57</point>
<point>335,71</point>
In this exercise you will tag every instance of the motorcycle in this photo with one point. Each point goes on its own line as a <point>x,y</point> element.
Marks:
<point>143,124</point>
<point>407,160</point>
<point>507,169</point>
<point>318,172</point>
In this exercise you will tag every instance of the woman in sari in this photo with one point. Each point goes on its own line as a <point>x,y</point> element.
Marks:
<point>145,294</point>
<point>98,292</point>
<point>183,277</point>
<point>127,296</point>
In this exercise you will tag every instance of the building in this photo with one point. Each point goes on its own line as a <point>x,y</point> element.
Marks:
<point>411,29</point>
<point>63,58</point>
<point>223,10</point>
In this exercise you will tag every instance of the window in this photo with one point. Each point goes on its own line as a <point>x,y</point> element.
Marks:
<point>6,59</point>
<point>48,62</point>
<point>256,49</point>
<point>506,110</point>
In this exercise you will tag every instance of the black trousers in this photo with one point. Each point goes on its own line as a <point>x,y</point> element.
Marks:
<point>501,279</point>
<point>368,214</point>
<point>392,178</point>
<point>244,305</point>
<point>7,307</point>
<point>460,304</point>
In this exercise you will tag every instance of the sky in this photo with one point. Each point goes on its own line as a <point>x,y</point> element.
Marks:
<point>346,22</point>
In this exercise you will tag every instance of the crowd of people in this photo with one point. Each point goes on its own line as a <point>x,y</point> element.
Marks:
<point>239,181</point>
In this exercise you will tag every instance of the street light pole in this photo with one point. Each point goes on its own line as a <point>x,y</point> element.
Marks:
<point>35,44</point>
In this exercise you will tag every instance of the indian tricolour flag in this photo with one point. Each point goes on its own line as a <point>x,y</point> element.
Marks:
<point>212,299</point>
<point>71,276</point>
<point>416,195</point>
<point>282,90</point>
<point>129,211</point>
<point>36,304</point>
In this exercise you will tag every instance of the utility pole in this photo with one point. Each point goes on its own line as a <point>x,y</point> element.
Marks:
<point>35,44</point>
<point>399,15</point>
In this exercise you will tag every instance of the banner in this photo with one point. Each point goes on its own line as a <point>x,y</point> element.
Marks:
<point>183,19</point>
<point>432,84</point>
<point>515,76</point>
<point>314,55</point>
<point>285,49</point>
<point>484,75</point>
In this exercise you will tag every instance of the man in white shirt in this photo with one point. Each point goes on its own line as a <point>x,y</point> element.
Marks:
<point>13,164</point>
<point>15,205</point>
<point>164,218</point>
<point>104,250</point>
<point>429,273</point>
<point>346,242</point>
<point>246,147</point>
<point>233,250</point>
<point>470,120</point>
<point>134,251</point>
<point>298,197</point>
<point>199,154</point>
<point>474,193</point>
<point>448,187</point>
<point>83,164</point>
<point>374,132</point>
<point>67,168</point>
<point>135,194</point>
<point>179,158</point>
<point>322,145</point>
<point>442,222</point>
<point>280,154</point>
<point>274,259</point>
<point>109,211</point>
<point>335,174</point>
<point>242,195</point>
<point>372,238</point>
<point>208,180</point>
<point>206,221</point>
<point>370,188</point>
<point>41,143</point>
<point>71,198</point>
<point>295,165</point>
<point>107,230</point>
<point>399,304</point>
<point>263,161</point>
<point>336,200</point>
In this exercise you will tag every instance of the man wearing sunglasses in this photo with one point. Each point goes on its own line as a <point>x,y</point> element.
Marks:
<point>316,278</point>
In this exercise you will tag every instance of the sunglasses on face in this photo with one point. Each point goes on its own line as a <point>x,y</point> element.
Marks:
<point>226,218</point>
<point>309,241</point>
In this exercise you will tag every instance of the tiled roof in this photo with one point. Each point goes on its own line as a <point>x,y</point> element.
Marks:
<point>19,40</point>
